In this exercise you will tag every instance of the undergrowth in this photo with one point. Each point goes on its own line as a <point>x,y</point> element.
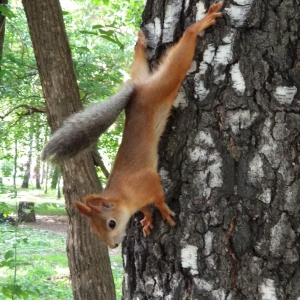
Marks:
<point>35,266</point>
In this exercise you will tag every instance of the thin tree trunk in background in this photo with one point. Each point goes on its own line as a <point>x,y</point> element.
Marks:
<point>2,30</point>
<point>44,163</point>
<point>88,258</point>
<point>15,170</point>
<point>38,161</point>
<point>229,160</point>
<point>38,173</point>
<point>46,177</point>
<point>54,177</point>
<point>58,191</point>
<point>26,177</point>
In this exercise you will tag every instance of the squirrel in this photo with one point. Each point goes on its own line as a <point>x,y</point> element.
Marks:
<point>134,182</point>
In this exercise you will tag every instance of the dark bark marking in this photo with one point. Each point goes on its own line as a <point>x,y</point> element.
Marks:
<point>229,249</point>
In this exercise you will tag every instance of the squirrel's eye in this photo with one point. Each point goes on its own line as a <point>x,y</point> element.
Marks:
<point>112,224</point>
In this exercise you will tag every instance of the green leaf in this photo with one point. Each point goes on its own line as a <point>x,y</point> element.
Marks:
<point>116,41</point>
<point>97,26</point>
<point>6,11</point>
<point>15,263</point>
<point>84,49</point>
<point>88,32</point>
<point>98,1</point>
<point>9,254</point>
<point>16,289</point>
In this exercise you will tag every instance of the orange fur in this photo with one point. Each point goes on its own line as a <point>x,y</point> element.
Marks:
<point>134,182</point>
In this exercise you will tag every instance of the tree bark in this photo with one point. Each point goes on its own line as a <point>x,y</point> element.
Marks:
<point>229,160</point>
<point>88,258</point>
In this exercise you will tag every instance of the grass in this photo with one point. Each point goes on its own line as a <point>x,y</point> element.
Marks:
<point>45,274</point>
<point>42,272</point>
<point>42,266</point>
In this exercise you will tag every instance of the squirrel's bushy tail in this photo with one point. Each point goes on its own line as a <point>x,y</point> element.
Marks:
<point>84,128</point>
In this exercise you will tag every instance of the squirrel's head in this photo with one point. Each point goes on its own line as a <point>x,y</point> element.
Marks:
<point>107,220</point>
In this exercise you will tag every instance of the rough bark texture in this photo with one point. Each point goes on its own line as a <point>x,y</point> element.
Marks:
<point>88,259</point>
<point>229,160</point>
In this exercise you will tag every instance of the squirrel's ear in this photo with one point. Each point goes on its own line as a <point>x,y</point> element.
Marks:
<point>97,202</point>
<point>83,208</point>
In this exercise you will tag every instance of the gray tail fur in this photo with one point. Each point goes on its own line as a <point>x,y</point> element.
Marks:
<point>84,128</point>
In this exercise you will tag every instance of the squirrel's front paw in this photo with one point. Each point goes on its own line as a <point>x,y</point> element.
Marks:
<point>213,13</point>
<point>146,223</point>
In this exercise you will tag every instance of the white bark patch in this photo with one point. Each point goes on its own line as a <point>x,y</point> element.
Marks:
<point>203,284</point>
<point>243,2</point>
<point>209,54</point>
<point>277,236</point>
<point>208,241</point>
<point>155,30</point>
<point>265,196</point>
<point>203,68</point>
<point>180,100</point>
<point>192,68</point>
<point>285,94</point>
<point>126,279</point>
<point>209,164</point>
<point>239,119</point>
<point>223,56</point>
<point>205,138</point>
<point>171,19</point>
<point>255,171</point>
<point>271,149</point>
<point>189,258</point>
<point>238,13</point>
<point>200,90</point>
<point>157,293</point>
<point>267,290</point>
<point>200,10</point>
<point>238,82</point>
<point>186,5</point>
<point>219,294</point>
<point>291,197</point>
<point>165,179</point>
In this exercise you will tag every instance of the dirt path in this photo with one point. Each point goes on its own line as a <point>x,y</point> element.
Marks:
<point>56,223</point>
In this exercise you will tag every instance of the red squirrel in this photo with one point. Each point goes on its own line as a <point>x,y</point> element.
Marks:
<point>134,182</point>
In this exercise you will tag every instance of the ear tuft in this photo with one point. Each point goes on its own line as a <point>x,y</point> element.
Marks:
<point>97,202</point>
<point>83,208</point>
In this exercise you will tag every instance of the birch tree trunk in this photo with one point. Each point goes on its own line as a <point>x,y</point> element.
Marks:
<point>88,258</point>
<point>229,159</point>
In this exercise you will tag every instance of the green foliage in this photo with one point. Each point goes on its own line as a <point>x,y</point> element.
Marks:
<point>6,167</point>
<point>101,35</point>
<point>40,254</point>
<point>42,270</point>
<point>6,11</point>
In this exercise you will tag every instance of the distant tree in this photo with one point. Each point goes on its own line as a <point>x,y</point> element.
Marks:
<point>2,28</point>
<point>27,171</point>
<point>90,270</point>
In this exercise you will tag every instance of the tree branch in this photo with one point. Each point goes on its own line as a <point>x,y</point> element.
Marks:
<point>29,110</point>
<point>99,162</point>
